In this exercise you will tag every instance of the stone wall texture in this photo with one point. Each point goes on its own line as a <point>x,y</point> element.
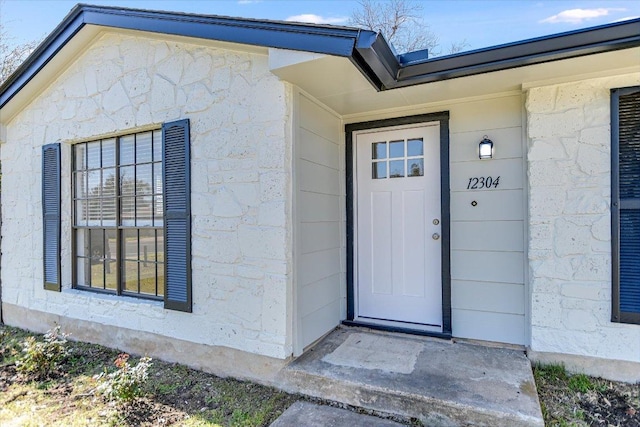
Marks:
<point>241,163</point>
<point>569,250</point>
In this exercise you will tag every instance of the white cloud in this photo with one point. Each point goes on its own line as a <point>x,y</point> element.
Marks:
<point>317,19</point>
<point>576,16</point>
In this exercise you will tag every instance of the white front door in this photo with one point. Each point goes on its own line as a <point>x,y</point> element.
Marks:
<point>398,223</point>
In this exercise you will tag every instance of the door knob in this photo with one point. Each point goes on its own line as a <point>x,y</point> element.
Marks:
<point>435,236</point>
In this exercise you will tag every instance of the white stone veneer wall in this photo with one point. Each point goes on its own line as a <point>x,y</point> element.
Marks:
<point>241,157</point>
<point>570,227</point>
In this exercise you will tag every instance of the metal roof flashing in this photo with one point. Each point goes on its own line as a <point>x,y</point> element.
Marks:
<point>370,53</point>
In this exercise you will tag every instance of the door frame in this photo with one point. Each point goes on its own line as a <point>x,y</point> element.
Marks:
<point>443,119</point>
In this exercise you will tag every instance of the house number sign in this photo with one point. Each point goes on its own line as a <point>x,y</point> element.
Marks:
<point>483,182</point>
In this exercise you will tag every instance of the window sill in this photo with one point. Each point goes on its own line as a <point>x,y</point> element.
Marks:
<point>110,297</point>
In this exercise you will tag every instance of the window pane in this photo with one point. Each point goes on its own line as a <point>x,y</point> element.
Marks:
<point>127,211</point>
<point>82,272</point>
<point>144,211</point>
<point>148,278</point>
<point>111,277</point>
<point>147,245</point>
<point>93,154</point>
<point>95,184</point>
<point>379,170</point>
<point>396,169</point>
<point>143,147</point>
<point>130,244</point>
<point>127,150</point>
<point>414,147</point>
<point>157,178</point>
<point>81,212</point>
<point>157,145</point>
<point>97,245</point>
<point>416,167</point>
<point>158,212</point>
<point>130,276</point>
<point>160,245</point>
<point>80,181</point>
<point>160,270</point>
<point>127,179</point>
<point>94,212</point>
<point>97,275</point>
<point>144,179</point>
<point>396,149</point>
<point>379,150</point>
<point>81,156</point>
<point>82,242</point>
<point>108,153</point>
<point>110,245</point>
<point>109,182</point>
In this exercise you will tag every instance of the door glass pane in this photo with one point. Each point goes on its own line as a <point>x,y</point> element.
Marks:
<point>414,147</point>
<point>415,167</point>
<point>127,150</point>
<point>396,169</point>
<point>379,150</point>
<point>143,147</point>
<point>396,149</point>
<point>379,170</point>
<point>108,153</point>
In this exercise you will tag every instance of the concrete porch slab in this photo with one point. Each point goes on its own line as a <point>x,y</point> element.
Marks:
<point>441,383</point>
<point>311,415</point>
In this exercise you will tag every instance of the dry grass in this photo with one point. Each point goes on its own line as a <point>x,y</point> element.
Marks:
<point>580,400</point>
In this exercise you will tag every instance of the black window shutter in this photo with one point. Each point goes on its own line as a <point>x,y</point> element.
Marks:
<point>177,215</point>
<point>51,215</point>
<point>625,129</point>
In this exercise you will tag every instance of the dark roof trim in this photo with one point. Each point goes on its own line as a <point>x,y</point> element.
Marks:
<point>368,51</point>
<point>605,38</point>
<point>324,39</point>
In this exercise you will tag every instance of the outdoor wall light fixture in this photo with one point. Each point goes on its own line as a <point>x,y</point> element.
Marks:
<point>485,148</point>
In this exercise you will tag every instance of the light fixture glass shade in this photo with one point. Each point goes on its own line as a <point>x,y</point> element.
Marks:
<point>485,148</point>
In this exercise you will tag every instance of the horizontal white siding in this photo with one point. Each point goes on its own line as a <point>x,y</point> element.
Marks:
<point>487,225</point>
<point>319,228</point>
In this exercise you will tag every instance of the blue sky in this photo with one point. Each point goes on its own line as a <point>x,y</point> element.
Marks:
<point>480,23</point>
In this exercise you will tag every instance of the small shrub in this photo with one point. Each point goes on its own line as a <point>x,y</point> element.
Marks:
<point>41,360</point>
<point>125,383</point>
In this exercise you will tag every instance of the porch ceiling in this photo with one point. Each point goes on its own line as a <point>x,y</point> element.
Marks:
<point>336,82</point>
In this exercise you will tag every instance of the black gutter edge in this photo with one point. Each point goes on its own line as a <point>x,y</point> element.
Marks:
<point>323,39</point>
<point>604,38</point>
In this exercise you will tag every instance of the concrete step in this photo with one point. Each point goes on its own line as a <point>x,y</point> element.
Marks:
<point>439,382</point>
<point>311,415</point>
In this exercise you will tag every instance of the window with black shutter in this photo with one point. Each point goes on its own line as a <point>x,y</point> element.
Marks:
<point>131,215</point>
<point>625,206</point>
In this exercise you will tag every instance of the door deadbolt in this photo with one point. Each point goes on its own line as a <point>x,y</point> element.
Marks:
<point>436,221</point>
<point>435,236</point>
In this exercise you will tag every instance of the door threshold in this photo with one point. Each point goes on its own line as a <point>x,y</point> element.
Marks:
<point>399,329</point>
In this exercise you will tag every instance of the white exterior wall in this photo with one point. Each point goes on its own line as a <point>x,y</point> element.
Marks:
<point>320,284</point>
<point>569,167</point>
<point>241,183</point>
<point>487,241</point>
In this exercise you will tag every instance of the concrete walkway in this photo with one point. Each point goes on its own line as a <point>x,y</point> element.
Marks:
<point>439,382</point>
<point>311,415</point>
